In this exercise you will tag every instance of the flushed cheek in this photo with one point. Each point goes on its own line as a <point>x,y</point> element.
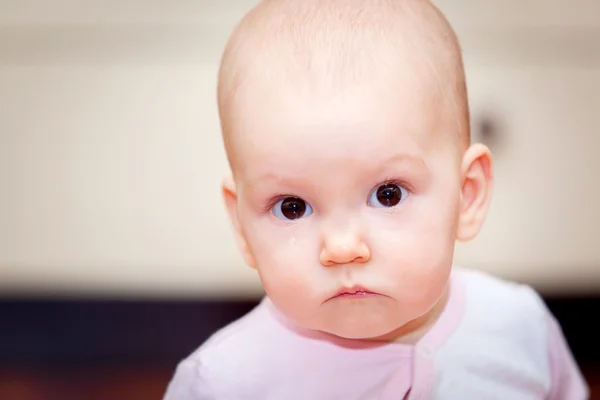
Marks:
<point>416,264</point>
<point>286,263</point>
<point>421,286</point>
<point>291,289</point>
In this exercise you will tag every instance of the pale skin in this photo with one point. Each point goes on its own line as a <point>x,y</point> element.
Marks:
<point>356,187</point>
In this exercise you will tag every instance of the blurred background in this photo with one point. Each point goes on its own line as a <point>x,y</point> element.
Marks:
<point>116,257</point>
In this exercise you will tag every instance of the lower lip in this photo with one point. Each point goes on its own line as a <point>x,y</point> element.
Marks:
<point>357,295</point>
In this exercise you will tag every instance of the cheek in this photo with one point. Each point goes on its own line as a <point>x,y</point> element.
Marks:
<point>284,255</point>
<point>419,267</point>
<point>419,250</point>
<point>425,231</point>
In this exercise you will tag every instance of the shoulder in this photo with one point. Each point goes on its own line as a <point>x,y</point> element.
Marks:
<point>508,345</point>
<point>507,321</point>
<point>231,355</point>
<point>494,298</point>
<point>501,342</point>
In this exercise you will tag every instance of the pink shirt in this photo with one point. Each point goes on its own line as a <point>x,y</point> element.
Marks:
<point>494,340</point>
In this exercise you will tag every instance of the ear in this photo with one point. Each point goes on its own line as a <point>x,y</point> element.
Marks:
<point>476,192</point>
<point>231,204</point>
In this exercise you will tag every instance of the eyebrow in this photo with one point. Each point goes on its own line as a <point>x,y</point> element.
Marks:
<point>271,177</point>
<point>405,159</point>
<point>396,159</point>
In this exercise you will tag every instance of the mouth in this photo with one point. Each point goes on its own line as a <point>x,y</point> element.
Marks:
<point>354,292</point>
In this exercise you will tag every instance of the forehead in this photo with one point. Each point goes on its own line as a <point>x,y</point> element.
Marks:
<point>359,124</point>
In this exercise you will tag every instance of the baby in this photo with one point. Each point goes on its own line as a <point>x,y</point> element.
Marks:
<point>346,127</point>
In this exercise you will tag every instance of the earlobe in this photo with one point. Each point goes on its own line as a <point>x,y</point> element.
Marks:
<point>231,203</point>
<point>476,190</point>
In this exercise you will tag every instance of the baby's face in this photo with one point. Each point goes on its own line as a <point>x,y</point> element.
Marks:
<point>356,193</point>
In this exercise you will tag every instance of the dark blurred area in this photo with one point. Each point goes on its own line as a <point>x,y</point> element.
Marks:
<point>110,349</point>
<point>101,349</point>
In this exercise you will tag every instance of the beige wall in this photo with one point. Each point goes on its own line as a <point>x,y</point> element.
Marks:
<point>110,155</point>
<point>111,179</point>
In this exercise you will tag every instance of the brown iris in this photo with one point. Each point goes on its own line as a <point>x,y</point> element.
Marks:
<point>293,208</point>
<point>389,195</point>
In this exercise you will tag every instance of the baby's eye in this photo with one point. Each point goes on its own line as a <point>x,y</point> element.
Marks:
<point>291,208</point>
<point>387,195</point>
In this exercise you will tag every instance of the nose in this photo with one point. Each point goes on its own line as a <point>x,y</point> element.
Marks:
<point>343,247</point>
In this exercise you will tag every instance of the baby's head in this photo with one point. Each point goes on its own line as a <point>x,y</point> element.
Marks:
<point>346,126</point>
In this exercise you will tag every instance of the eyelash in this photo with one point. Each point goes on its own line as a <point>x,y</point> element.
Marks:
<point>392,181</point>
<point>388,181</point>
<point>274,200</point>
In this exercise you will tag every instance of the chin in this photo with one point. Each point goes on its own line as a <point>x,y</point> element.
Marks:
<point>362,328</point>
<point>359,334</point>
